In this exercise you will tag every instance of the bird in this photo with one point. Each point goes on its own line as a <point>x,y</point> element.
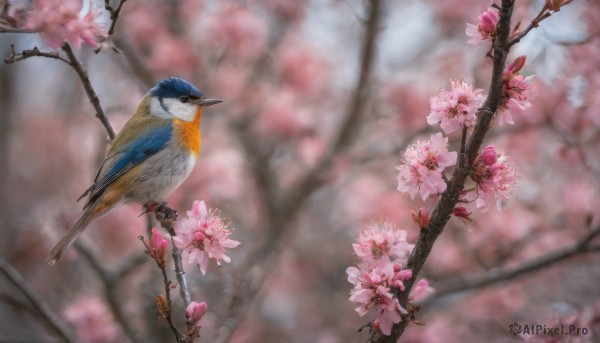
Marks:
<point>149,158</point>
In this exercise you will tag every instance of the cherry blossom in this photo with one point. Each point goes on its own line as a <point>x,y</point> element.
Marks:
<point>495,177</point>
<point>485,28</point>
<point>92,320</point>
<point>379,241</point>
<point>75,21</point>
<point>455,108</point>
<point>203,235</point>
<point>373,288</point>
<point>422,166</point>
<point>516,89</point>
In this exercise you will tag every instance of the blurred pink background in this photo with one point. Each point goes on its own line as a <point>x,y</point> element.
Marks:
<point>286,70</point>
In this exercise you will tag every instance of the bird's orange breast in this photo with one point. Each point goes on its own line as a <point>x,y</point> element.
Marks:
<point>187,134</point>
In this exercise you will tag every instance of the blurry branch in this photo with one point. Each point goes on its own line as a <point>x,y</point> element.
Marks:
<point>110,280</point>
<point>52,318</point>
<point>114,14</point>
<point>15,30</point>
<point>136,65</point>
<point>350,124</point>
<point>283,208</point>
<point>443,210</point>
<point>508,273</point>
<point>72,61</point>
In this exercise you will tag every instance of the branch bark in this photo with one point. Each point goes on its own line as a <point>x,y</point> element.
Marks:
<point>443,210</point>
<point>53,320</point>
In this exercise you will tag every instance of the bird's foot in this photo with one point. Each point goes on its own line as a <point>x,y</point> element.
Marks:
<point>163,212</point>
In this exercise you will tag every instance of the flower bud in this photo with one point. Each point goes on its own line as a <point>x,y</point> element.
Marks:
<point>159,245</point>
<point>421,218</point>
<point>195,311</point>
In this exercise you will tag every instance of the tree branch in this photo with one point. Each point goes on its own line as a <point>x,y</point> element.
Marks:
<point>41,307</point>
<point>110,281</point>
<point>114,14</point>
<point>443,210</point>
<point>508,273</point>
<point>89,89</point>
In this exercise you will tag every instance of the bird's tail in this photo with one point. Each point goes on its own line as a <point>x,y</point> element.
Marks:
<point>69,238</point>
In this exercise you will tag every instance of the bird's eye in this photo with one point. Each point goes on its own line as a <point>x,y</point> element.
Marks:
<point>184,99</point>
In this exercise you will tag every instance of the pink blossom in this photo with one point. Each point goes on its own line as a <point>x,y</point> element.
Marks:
<point>379,241</point>
<point>303,69</point>
<point>517,91</point>
<point>92,320</point>
<point>373,288</point>
<point>240,31</point>
<point>195,311</point>
<point>420,290</point>
<point>422,166</point>
<point>455,108</point>
<point>67,20</point>
<point>203,235</point>
<point>495,177</point>
<point>485,28</point>
<point>160,244</point>
<point>284,117</point>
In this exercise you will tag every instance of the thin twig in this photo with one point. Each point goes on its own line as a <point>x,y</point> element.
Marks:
<point>282,208</point>
<point>114,14</point>
<point>470,282</point>
<point>44,310</point>
<point>72,61</point>
<point>89,89</point>
<point>35,52</point>
<point>16,30</point>
<point>165,309</point>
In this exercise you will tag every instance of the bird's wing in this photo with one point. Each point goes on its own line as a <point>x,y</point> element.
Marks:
<point>120,161</point>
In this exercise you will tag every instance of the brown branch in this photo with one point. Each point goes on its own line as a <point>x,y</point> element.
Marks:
<point>40,306</point>
<point>443,210</point>
<point>508,273</point>
<point>16,30</point>
<point>35,52</point>
<point>544,13</point>
<point>165,308</point>
<point>282,208</point>
<point>89,89</point>
<point>110,281</point>
<point>72,61</point>
<point>114,14</point>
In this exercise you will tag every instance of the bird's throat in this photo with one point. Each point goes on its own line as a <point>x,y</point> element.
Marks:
<point>188,133</point>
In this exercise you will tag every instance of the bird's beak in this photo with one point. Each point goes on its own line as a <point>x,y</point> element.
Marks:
<point>208,102</point>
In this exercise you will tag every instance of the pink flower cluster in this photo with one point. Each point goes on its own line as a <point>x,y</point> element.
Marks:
<point>495,177</point>
<point>92,320</point>
<point>455,108</point>
<point>423,165</point>
<point>74,21</point>
<point>203,235</point>
<point>382,250</point>
<point>159,245</point>
<point>516,90</point>
<point>485,28</point>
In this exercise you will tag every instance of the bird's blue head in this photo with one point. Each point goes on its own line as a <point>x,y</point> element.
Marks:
<point>177,98</point>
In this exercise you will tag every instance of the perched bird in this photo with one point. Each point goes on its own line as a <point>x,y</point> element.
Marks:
<point>152,155</point>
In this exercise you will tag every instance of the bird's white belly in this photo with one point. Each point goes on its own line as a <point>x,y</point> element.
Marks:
<point>160,175</point>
